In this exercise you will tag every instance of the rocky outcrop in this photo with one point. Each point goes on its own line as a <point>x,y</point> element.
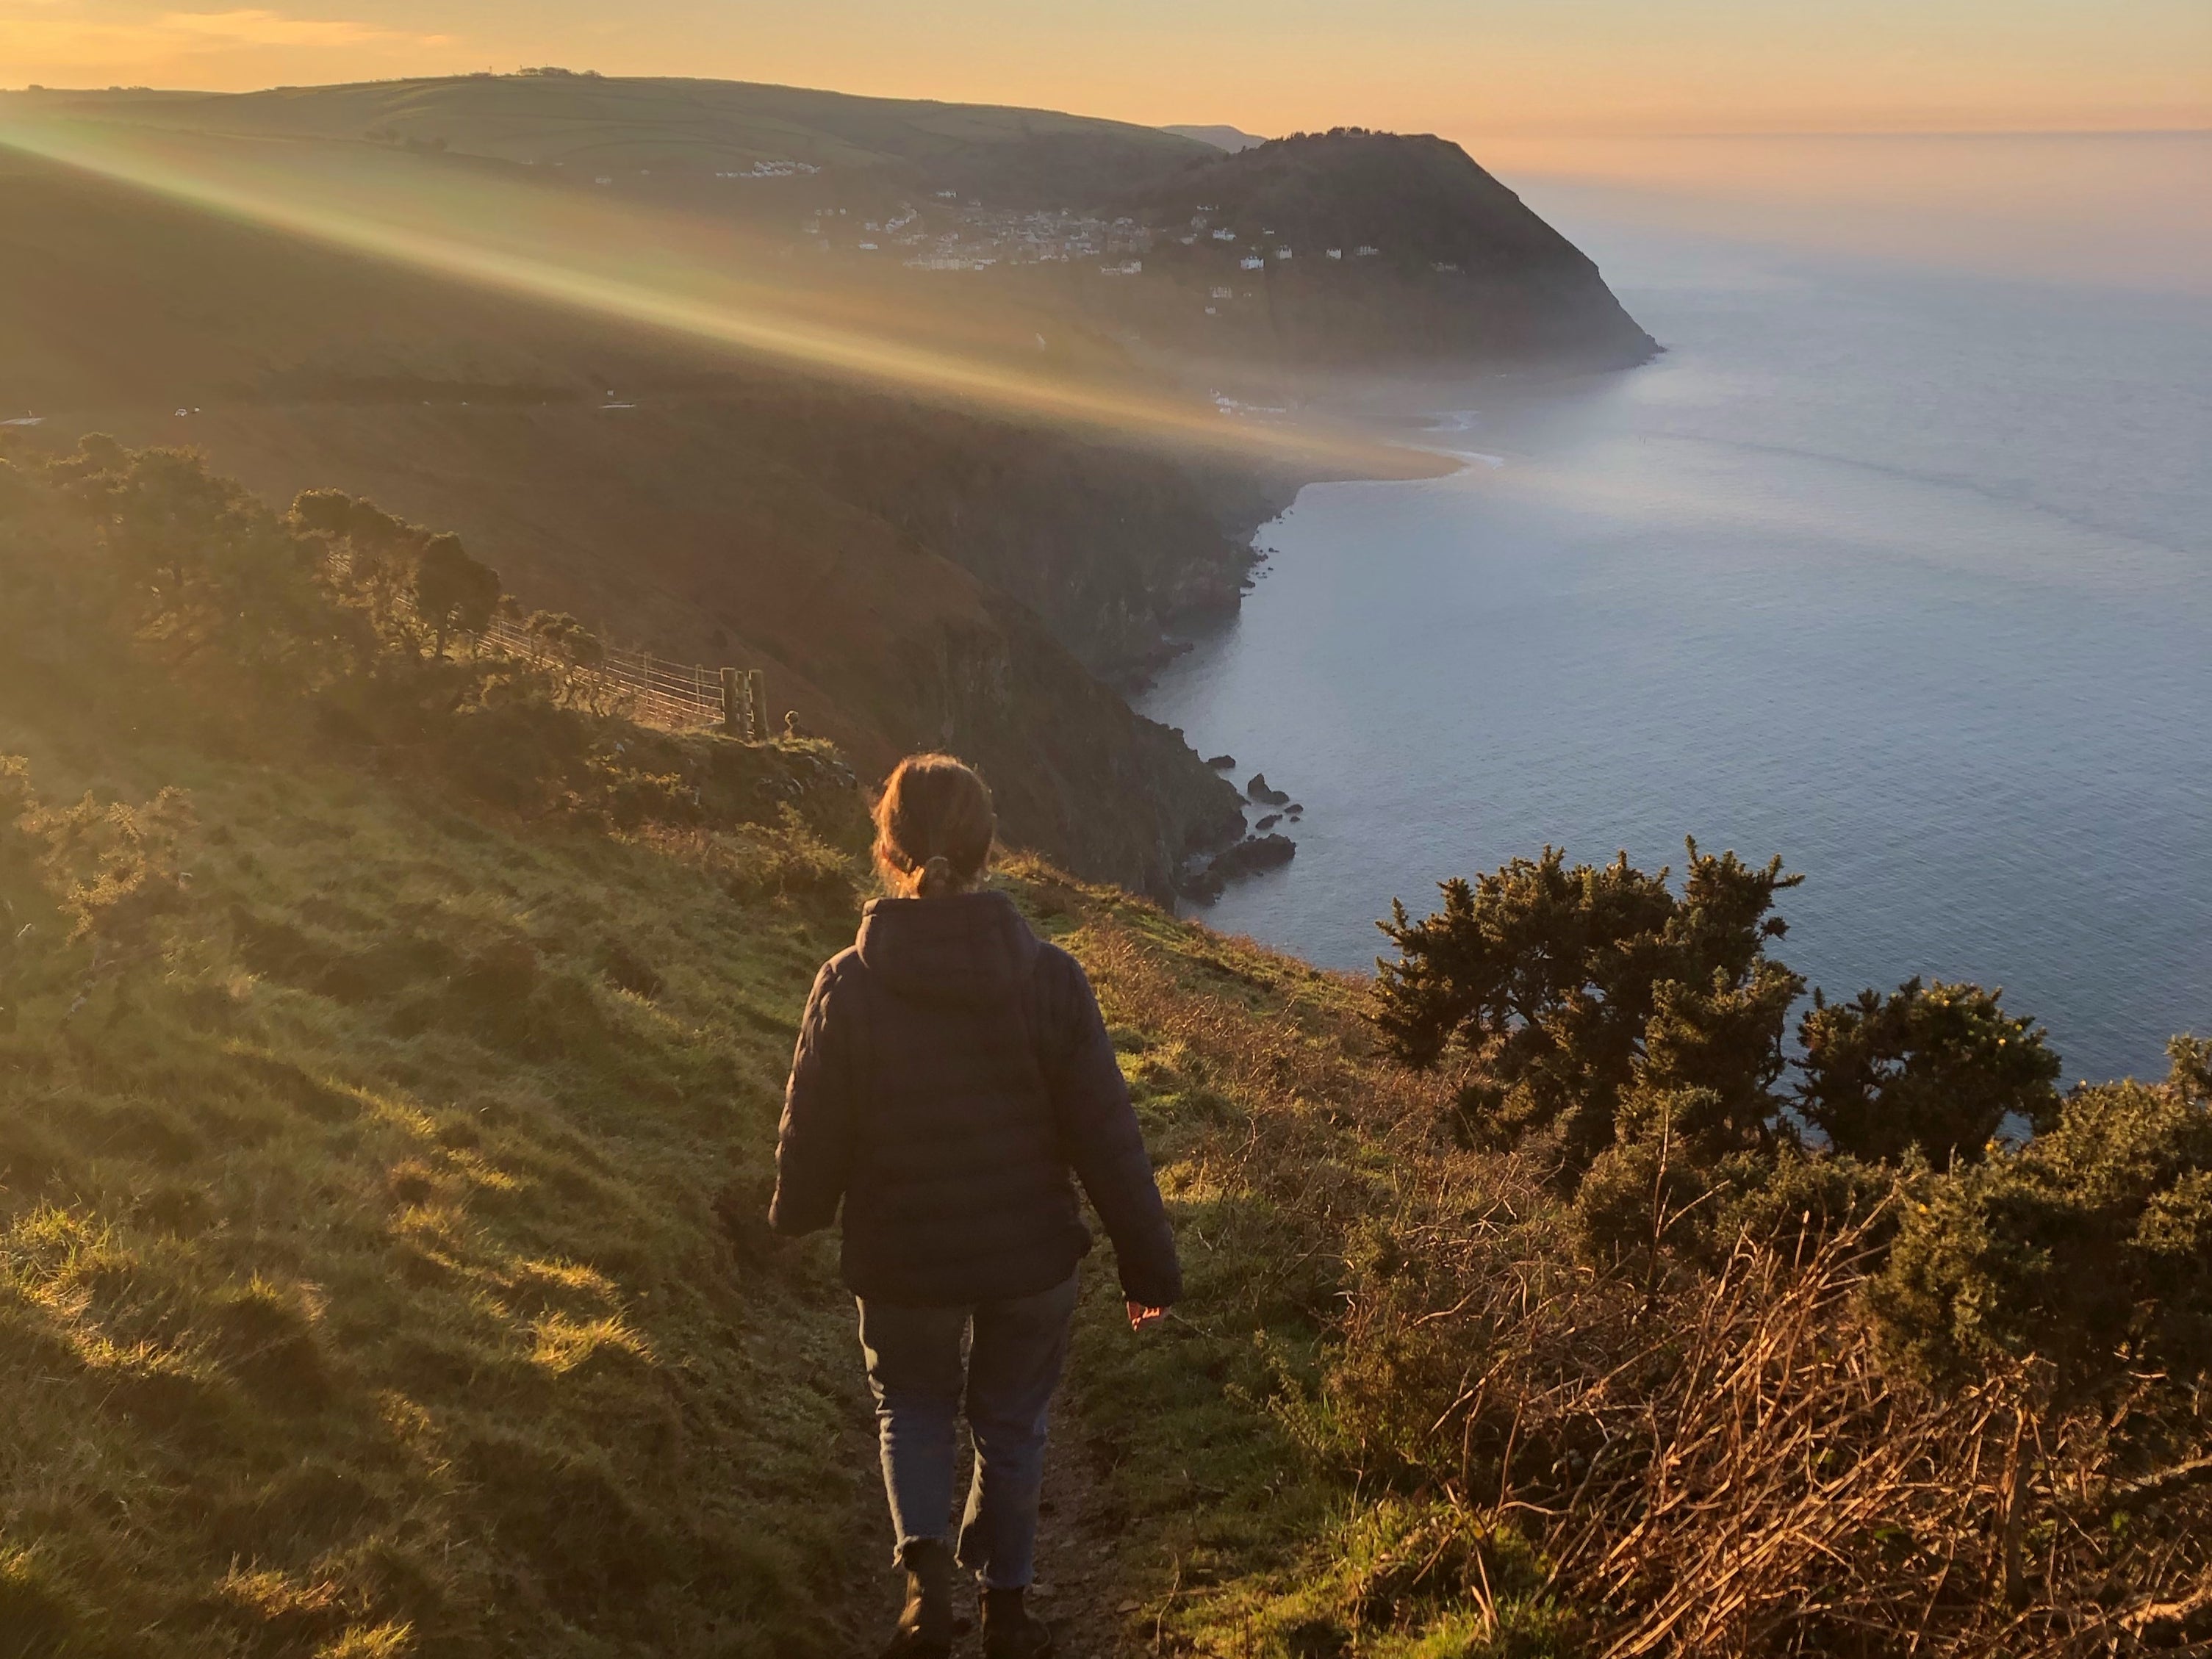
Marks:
<point>1248,856</point>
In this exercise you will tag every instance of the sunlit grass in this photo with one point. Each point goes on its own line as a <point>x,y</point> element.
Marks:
<point>327,1307</point>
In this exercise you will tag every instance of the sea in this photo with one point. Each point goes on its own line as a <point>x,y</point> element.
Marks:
<point>1897,564</point>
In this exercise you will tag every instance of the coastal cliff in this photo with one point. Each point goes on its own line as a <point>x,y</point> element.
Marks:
<point>907,569</point>
<point>1366,251</point>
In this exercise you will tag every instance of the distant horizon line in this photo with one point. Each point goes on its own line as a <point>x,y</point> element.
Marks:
<point>1524,132</point>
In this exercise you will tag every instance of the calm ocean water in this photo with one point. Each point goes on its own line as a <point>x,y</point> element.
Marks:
<point>1899,569</point>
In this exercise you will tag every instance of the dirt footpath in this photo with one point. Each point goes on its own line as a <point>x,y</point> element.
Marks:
<point>1080,1590</point>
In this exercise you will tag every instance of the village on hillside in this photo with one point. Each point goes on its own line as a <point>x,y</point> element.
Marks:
<point>950,234</point>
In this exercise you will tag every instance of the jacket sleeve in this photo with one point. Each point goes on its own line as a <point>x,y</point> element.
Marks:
<point>1099,1132</point>
<point>814,1146</point>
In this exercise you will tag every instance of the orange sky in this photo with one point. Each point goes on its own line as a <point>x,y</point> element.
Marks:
<point>1461,67</point>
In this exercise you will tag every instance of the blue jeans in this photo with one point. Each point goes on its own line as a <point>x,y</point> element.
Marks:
<point>921,1379</point>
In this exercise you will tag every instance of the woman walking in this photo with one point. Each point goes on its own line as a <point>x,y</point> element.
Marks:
<point>952,1074</point>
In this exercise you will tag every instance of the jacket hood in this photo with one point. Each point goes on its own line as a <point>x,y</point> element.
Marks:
<point>967,948</point>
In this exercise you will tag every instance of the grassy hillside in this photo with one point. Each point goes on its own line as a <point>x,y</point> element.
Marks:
<point>389,1059</point>
<point>1461,273</point>
<point>365,1283</point>
<point>686,126</point>
<point>905,574</point>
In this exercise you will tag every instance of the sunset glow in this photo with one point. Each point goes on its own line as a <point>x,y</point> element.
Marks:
<point>1607,66</point>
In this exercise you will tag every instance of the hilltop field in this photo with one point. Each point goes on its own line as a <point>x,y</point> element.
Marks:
<point>391,1043</point>
<point>1348,250</point>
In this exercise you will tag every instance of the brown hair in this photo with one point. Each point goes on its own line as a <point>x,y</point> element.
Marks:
<point>934,827</point>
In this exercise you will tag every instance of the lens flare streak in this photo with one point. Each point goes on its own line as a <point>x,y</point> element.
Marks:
<point>655,269</point>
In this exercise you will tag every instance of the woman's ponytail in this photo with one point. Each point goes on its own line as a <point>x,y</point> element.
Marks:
<point>934,827</point>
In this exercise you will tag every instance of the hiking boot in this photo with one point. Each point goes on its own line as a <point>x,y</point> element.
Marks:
<point>925,1626</point>
<point>1011,1631</point>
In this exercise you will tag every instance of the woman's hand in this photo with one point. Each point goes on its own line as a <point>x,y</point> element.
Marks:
<point>1140,1316</point>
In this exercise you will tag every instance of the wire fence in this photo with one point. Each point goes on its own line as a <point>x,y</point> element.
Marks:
<point>651,690</point>
<point>656,690</point>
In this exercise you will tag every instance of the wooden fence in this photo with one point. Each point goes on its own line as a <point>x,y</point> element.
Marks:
<point>652,690</point>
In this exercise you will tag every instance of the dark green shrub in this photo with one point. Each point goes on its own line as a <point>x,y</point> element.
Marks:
<point>1649,1194</point>
<point>1935,1069</point>
<point>1656,1192</point>
<point>1801,1198</point>
<point>453,593</point>
<point>2090,1246</point>
<point>1549,977</point>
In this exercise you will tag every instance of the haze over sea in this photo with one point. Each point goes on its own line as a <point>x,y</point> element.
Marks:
<point>1897,563</point>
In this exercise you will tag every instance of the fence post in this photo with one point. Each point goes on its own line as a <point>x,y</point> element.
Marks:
<point>733,704</point>
<point>756,705</point>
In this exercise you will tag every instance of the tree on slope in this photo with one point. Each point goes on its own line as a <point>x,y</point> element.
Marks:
<point>453,593</point>
<point>1548,979</point>
<point>1937,1068</point>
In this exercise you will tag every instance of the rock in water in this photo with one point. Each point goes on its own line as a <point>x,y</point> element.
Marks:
<point>1257,789</point>
<point>1268,823</point>
<point>1201,886</point>
<point>1223,762</point>
<point>1250,857</point>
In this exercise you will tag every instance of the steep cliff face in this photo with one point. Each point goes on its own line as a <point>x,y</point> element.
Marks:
<point>1375,250</point>
<point>1113,547</point>
<point>1071,766</point>
<point>907,573</point>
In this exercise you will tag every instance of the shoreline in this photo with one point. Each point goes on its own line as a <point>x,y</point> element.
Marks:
<point>1395,428</point>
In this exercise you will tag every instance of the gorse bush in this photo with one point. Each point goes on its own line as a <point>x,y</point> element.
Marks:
<point>1642,1035</point>
<point>415,581</point>
<point>106,870</point>
<point>2089,1248</point>
<point>1936,1069</point>
<point>1556,982</point>
<point>1858,1278</point>
<point>1596,1001</point>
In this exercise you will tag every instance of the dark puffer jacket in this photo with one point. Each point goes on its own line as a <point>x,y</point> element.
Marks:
<point>952,1073</point>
